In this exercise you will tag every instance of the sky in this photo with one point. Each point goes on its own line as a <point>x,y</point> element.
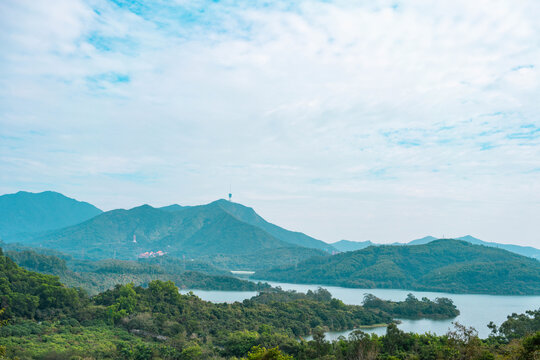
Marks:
<point>360,120</point>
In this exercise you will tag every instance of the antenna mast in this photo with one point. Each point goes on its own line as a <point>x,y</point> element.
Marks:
<point>230,192</point>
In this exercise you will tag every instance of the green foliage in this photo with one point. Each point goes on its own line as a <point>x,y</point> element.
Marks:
<point>157,322</point>
<point>262,353</point>
<point>442,265</point>
<point>412,308</point>
<point>33,295</point>
<point>516,326</point>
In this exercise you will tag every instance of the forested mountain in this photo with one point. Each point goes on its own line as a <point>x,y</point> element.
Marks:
<point>26,213</point>
<point>442,265</point>
<point>248,215</point>
<point>228,234</point>
<point>194,231</point>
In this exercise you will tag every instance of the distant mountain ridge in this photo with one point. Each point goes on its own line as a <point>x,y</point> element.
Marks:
<point>25,213</point>
<point>442,265</point>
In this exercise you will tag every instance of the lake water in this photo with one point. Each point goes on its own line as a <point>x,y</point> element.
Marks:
<point>476,310</point>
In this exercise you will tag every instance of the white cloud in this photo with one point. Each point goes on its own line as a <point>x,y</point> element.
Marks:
<point>332,118</point>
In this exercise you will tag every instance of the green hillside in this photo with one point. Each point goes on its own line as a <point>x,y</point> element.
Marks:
<point>27,213</point>
<point>193,232</point>
<point>442,265</point>
<point>249,216</point>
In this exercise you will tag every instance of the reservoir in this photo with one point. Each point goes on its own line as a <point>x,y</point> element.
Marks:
<point>476,310</point>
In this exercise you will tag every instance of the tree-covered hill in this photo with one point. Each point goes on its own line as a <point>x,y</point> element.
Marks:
<point>442,265</point>
<point>222,233</point>
<point>26,213</point>
<point>194,231</point>
<point>33,295</point>
<point>248,215</point>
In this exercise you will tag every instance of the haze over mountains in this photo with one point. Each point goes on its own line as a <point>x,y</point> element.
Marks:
<point>29,213</point>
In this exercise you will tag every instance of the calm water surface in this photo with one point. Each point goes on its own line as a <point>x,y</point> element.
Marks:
<point>476,310</point>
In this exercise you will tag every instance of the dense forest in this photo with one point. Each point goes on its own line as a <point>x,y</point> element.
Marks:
<point>43,319</point>
<point>442,265</point>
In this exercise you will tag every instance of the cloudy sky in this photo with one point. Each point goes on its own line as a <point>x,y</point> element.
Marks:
<point>380,120</point>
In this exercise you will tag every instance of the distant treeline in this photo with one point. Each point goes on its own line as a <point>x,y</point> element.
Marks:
<point>97,276</point>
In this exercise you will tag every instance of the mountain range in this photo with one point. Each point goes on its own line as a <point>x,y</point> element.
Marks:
<point>225,234</point>
<point>221,228</point>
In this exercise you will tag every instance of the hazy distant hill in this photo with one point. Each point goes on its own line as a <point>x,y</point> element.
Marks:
<point>26,213</point>
<point>347,245</point>
<point>441,265</point>
<point>194,231</point>
<point>422,241</point>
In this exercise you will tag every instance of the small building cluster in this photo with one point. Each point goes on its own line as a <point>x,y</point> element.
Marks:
<point>150,254</point>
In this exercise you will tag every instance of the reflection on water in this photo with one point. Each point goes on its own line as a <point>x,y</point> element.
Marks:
<point>476,310</point>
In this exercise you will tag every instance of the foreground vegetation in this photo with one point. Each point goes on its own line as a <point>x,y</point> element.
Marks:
<point>43,319</point>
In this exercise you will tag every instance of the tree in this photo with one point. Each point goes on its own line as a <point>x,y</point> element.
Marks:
<point>262,353</point>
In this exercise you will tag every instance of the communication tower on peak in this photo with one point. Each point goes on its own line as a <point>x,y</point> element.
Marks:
<point>230,193</point>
